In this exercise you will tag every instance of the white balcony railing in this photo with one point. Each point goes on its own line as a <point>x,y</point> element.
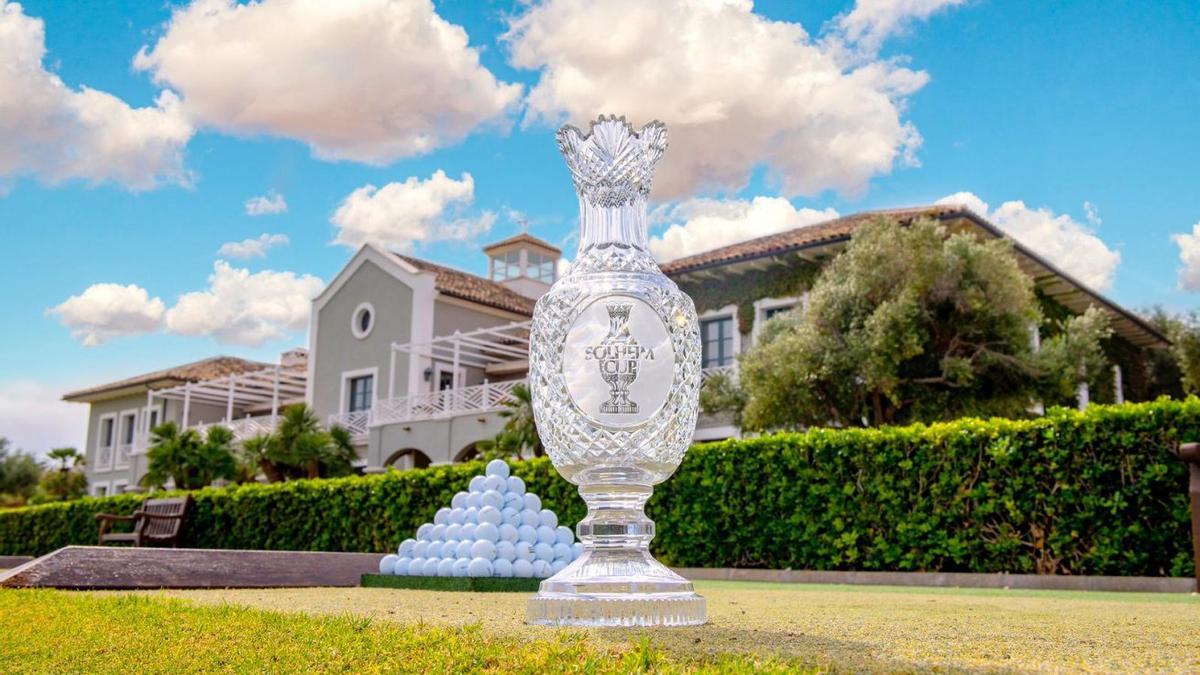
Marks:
<point>124,450</point>
<point>357,423</point>
<point>730,370</point>
<point>479,398</point>
<point>104,457</point>
<point>247,427</point>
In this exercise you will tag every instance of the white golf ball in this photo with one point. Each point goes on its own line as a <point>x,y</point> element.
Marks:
<point>543,551</point>
<point>475,499</point>
<point>576,550</point>
<point>445,567</point>
<point>506,550</point>
<point>433,550</point>
<point>487,532</point>
<point>406,547</point>
<point>546,517</point>
<point>416,567</point>
<point>562,534</point>
<point>523,551</point>
<point>438,533</point>
<point>511,515</point>
<point>516,485</point>
<point>430,568</point>
<point>458,515</point>
<point>522,568</point>
<point>533,502</point>
<point>541,569</point>
<point>476,484</point>
<point>527,534</point>
<point>401,567</point>
<point>468,532</point>
<point>490,514</point>
<point>387,564</point>
<point>424,531</point>
<point>562,552</point>
<point>546,535</point>
<point>418,550</point>
<point>453,532</point>
<point>479,567</point>
<point>497,467</point>
<point>557,566</point>
<point>531,518</point>
<point>492,499</point>
<point>460,567</point>
<point>508,533</point>
<point>459,500</point>
<point>494,484</point>
<point>442,517</point>
<point>501,568</point>
<point>514,500</point>
<point>463,550</point>
<point>471,515</point>
<point>483,549</point>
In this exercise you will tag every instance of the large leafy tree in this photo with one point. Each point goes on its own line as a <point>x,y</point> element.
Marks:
<point>299,448</point>
<point>68,482</point>
<point>19,475</point>
<point>911,324</point>
<point>190,459</point>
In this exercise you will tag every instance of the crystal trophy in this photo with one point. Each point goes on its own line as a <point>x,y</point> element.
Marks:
<point>614,371</point>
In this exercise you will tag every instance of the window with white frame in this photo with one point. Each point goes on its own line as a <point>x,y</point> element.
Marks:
<point>360,393</point>
<point>540,266</point>
<point>105,440</point>
<point>716,337</point>
<point>128,430</point>
<point>363,320</point>
<point>100,490</point>
<point>507,265</point>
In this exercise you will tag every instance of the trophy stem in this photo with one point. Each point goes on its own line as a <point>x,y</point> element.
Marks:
<point>616,582</point>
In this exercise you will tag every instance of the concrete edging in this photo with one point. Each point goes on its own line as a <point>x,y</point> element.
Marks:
<point>1044,582</point>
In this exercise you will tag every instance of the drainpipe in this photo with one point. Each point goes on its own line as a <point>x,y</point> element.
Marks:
<point>1190,453</point>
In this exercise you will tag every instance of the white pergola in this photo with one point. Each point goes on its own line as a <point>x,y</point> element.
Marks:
<point>257,388</point>
<point>497,346</point>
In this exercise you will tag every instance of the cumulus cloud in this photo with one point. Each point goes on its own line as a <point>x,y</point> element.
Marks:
<point>57,133</point>
<point>870,22</point>
<point>36,419</point>
<point>737,91</point>
<point>1189,253</point>
<point>370,81</point>
<point>252,248</point>
<point>704,224</point>
<point>266,205</point>
<point>400,215</point>
<point>1061,239</point>
<point>242,308</point>
<point>105,311</point>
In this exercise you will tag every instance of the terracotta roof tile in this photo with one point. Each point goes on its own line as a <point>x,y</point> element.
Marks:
<point>467,286</point>
<point>197,371</point>
<point>524,237</point>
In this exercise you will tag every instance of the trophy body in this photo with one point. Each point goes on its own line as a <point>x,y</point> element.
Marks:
<point>614,372</point>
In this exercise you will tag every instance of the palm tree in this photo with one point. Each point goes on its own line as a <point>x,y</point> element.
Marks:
<point>65,456</point>
<point>189,459</point>
<point>519,432</point>
<point>301,448</point>
<point>255,456</point>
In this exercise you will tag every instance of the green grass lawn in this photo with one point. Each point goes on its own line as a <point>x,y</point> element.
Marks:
<point>752,627</point>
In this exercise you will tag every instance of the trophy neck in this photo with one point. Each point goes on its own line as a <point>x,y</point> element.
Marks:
<point>601,226</point>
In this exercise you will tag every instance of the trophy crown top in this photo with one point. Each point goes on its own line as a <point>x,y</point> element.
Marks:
<point>612,164</point>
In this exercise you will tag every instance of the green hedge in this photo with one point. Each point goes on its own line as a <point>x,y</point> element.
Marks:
<point>1072,493</point>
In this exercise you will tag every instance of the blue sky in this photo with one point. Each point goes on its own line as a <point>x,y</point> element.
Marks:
<point>1033,108</point>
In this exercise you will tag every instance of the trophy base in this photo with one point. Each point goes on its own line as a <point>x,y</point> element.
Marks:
<point>621,587</point>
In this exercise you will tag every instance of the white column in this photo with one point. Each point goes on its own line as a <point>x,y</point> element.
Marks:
<point>275,398</point>
<point>1118,385</point>
<point>392,373</point>
<point>187,403</point>
<point>229,403</point>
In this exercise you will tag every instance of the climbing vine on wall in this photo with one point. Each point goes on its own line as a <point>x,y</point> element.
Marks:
<point>788,278</point>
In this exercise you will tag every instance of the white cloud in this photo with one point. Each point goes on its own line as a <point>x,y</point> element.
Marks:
<point>34,418</point>
<point>370,81</point>
<point>1189,253</point>
<point>1062,240</point>
<point>245,309</point>
<point>870,22</point>
<point>252,248</point>
<point>712,223</point>
<point>104,311</point>
<point>57,133</point>
<point>736,90</point>
<point>266,205</point>
<point>399,215</point>
<point>1092,214</point>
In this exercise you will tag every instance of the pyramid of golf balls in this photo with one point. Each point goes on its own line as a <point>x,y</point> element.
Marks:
<point>497,529</point>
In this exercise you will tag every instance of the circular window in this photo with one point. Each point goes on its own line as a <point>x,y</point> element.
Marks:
<point>363,320</point>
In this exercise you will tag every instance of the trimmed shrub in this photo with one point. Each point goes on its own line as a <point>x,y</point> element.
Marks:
<point>1098,492</point>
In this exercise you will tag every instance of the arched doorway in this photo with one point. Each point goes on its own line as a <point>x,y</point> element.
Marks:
<point>408,458</point>
<point>467,454</point>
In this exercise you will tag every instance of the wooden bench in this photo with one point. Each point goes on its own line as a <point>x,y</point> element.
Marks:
<point>158,522</point>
